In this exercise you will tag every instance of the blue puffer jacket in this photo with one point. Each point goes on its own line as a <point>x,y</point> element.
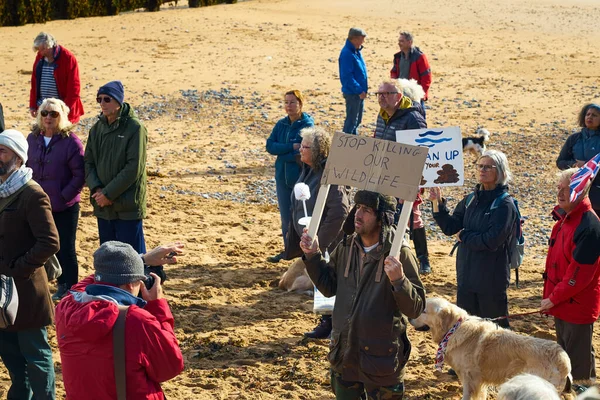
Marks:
<point>353,70</point>
<point>281,144</point>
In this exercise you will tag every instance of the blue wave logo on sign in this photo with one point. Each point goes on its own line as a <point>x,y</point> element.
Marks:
<point>430,142</point>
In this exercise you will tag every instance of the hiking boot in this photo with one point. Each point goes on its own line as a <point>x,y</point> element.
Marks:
<point>61,291</point>
<point>425,268</point>
<point>321,331</point>
<point>579,389</point>
<point>275,259</point>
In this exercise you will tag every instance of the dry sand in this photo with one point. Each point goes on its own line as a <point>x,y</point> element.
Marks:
<point>522,69</point>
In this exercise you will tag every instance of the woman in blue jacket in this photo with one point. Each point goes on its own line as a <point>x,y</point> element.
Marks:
<point>284,143</point>
<point>580,147</point>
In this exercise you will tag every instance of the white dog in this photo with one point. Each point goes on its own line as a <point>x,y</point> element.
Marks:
<point>527,387</point>
<point>484,354</point>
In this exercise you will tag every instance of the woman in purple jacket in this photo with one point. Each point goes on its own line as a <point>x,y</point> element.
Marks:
<point>56,158</point>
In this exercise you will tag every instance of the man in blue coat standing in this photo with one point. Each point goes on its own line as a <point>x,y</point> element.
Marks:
<point>353,75</point>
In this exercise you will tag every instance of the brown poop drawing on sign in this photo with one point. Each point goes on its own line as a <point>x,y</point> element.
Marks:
<point>447,174</point>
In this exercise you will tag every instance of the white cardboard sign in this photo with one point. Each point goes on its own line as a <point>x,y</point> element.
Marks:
<point>444,165</point>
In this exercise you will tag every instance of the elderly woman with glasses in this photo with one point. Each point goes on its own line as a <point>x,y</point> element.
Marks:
<point>284,142</point>
<point>55,156</point>
<point>314,150</point>
<point>482,264</point>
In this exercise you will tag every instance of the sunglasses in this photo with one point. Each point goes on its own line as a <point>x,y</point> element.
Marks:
<point>53,114</point>
<point>384,93</point>
<point>101,99</point>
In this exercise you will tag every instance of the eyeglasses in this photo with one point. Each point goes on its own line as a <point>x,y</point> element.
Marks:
<point>304,147</point>
<point>101,99</point>
<point>485,167</point>
<point>384,93</point>
<point>53,114</point>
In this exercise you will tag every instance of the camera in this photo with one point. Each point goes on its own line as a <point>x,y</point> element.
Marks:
<point>149,282</point>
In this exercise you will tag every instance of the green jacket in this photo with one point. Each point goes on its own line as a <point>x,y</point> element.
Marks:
<point>368,341</point>
<point>115,161</point>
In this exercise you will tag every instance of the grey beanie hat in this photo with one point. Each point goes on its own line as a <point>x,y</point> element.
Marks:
<point>118,263</point>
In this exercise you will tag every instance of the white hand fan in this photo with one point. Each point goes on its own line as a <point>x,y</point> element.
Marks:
<point>302,193</point>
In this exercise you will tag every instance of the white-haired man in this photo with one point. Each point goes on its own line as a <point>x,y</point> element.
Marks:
<point>398,113</point>
<point>55,75</point>
<point>572,278</point>
<point>28,237</point>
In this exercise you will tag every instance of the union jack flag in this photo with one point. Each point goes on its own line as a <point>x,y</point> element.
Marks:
<point>581,177</point>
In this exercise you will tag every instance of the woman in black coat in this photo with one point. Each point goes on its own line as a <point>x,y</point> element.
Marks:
<point>482,262</point>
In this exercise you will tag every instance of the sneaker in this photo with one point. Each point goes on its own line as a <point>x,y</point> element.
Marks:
<point>61,291</point>
<point>321,331</point>
<point>579,389</point>
<point>275,259</point>
<point>425,268</point>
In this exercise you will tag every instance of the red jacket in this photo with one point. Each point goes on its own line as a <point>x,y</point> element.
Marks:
<point>66,75</point>
<point>572,277</point>
<point>84,325</point>
<point>419,69</point>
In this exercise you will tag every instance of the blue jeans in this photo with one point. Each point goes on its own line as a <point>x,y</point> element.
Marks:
<point>424,111</point>
<point>284,199</point>
<point>28,358</point>
<point>354,112</point>
<point>126,231</point>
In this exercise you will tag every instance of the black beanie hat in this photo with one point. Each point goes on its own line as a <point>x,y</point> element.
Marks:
<point>383,205</point>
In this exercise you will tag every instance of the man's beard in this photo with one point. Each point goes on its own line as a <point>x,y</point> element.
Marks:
<point>8,167</point>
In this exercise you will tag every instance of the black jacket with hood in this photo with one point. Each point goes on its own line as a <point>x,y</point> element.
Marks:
<point>482,264</point>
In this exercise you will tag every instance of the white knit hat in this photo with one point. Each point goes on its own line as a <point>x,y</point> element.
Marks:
<point>15,141</point>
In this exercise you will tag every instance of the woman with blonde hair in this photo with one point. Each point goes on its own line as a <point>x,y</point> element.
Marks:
<point>56,157</point>
<point>284,142</point>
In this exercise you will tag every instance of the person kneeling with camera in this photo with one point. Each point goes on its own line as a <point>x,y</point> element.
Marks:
<point>86,330</point>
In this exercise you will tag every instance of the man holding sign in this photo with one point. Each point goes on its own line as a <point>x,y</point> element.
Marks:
<point>369,345</point>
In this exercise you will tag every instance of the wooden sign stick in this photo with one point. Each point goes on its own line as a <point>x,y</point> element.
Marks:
<point>401,228</point>
<point>315,219</point>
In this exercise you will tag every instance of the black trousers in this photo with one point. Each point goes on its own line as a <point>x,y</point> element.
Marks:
<point>576,340</point>
<point>66,224</point>
<point>484,305</point>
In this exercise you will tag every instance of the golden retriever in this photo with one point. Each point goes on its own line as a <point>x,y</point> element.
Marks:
<point>296,278</point>
<point>483,354</point>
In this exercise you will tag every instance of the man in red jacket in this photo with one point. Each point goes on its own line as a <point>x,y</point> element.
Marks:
<point>411,63</point>
<point>84,330</point>
<point>55,75</point>
<point>572,277</point>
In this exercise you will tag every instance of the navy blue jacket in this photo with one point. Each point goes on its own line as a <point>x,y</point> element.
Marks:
<point>353,70</point>
<point>482,261</point>
<point>281,144</point>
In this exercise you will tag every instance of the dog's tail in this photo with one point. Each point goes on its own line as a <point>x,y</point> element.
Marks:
<point>484,133</point>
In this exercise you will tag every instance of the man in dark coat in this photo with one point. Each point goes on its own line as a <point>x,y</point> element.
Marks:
<point>369,345</point>
<point>28,237</point>
<point>399,113</point>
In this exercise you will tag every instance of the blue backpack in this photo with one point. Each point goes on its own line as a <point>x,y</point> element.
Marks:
<point>515,246</point>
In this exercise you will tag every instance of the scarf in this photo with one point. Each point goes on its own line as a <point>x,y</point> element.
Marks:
<point>441,351</point>
<point>15,181</point>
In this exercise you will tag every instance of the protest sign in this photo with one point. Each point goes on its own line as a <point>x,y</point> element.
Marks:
<point>444,165</point>
<point>377,165</point>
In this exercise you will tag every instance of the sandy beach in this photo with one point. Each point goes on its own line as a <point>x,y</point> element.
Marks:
<point>208,84</point>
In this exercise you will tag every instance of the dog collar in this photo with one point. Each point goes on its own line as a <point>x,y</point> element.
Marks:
<point>441,351</point>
